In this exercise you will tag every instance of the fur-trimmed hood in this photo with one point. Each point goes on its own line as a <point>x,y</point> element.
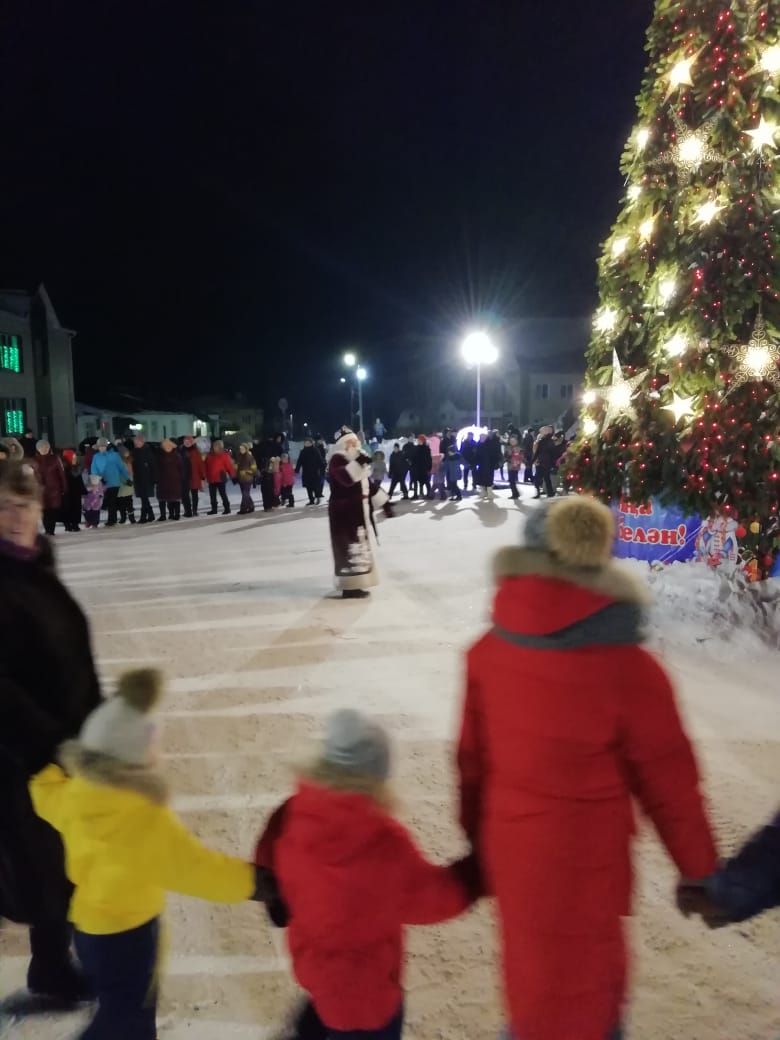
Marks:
<point>109,772</point>
<point>611,580</point>
<point>543,604</point>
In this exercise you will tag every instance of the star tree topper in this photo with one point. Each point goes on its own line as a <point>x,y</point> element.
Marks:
<point>757,360</point>
<point>692,148</point>
<point>620,394</point>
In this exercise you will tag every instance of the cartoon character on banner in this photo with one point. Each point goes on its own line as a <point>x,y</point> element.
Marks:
<point>718,541</point>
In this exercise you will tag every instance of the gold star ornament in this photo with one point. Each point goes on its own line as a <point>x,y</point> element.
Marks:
<point>757,360</point>
<point>619,396</point>
<point>680,407</point>
<point>763,136</point>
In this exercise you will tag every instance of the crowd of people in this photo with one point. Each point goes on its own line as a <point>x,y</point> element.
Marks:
<point>529,457</point>
<point>106,477</point>
<point>103,480</point>
<point>551,756</point>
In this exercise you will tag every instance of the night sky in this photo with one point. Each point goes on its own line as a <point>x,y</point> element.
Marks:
<point>222,197</point>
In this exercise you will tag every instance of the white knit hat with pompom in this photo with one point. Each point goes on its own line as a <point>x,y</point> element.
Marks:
<point>121,727</point>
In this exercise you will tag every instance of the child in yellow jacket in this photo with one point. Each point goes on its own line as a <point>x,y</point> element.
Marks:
<point>124,848</point>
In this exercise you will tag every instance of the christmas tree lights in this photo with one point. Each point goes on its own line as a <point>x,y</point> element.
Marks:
<point>689,278</point>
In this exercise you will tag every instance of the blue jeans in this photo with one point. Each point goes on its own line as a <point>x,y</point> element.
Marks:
<point>121,969</point>
<point>309,1026</point>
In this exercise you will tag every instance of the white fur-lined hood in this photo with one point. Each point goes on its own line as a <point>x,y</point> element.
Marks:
<point>610,580</point>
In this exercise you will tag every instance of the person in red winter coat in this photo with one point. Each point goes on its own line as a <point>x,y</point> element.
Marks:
<point>350,877</point>
<point>51,477</point>
<point>567,721</point>
<point>196,471</point>
<point>219,466</point>
<point>287,481</point>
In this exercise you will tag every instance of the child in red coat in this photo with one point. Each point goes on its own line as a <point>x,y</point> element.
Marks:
<point>350,878</point>
<point>287,481</point>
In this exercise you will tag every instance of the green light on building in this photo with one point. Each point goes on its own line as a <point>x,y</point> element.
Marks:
<point>14,422</point>
<point>10,354</point>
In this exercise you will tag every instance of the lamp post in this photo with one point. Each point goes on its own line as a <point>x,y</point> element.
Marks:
<point>351,361</point>
<point>478,349</point>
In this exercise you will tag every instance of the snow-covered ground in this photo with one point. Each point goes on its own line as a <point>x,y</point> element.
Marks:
<point>239,612</point>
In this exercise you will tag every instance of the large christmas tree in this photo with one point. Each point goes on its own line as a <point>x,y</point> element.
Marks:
<point>683,381</point>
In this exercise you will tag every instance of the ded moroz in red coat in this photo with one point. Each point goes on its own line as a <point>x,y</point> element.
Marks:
<point>567,721</point>
<point>351,878</point>
<point>350,507</point>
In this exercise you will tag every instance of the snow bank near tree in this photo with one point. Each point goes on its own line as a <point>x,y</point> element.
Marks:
<point>694,605</point>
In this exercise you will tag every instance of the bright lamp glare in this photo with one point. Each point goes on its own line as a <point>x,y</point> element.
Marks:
<point>478,349</point>
<point>350,360</point>
<point>361,374</point>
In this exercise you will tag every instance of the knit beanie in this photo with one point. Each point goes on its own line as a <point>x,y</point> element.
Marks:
<point>121,727</point>
<point>356,744</point>
<point>576,531</point>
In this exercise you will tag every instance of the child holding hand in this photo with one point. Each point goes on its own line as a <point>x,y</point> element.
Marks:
<point>350,878</point>
<point>124,849</point>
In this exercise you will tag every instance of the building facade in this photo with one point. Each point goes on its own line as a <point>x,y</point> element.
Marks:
<point>36,368</point>
<point>154,425</point>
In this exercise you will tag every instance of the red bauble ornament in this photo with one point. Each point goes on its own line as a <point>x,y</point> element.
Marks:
<point>740,532</point>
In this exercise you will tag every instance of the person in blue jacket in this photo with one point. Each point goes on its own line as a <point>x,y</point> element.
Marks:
<point>745,885</point>
<point>110,467</point>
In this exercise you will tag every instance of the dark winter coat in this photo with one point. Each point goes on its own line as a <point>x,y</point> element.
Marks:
<point>186,468</point>
<point>447,441</point>
<point>398,465</point>
<point>496,451</point>
<point>546,453</point>
<point>170,475</point>
<point>51,477</point>
<point>196,472</point>
<point>144,471</point>
<point>567,721</point>
<point>750,882</point>
<point>422,463</point>
<point>408,451</point>
<point>28,447</point>
<point>468,450</point>
<point>351,878</point>
<point>528,445</point>
<point>48,686</point>
<point>452,466</point>
<point>484,464</point>
<point>311,467</point>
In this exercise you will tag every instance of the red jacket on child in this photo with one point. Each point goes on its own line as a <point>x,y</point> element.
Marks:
<point>351,878</point>
<point>287,472</point>
<point>567,720</point>
<point>218,467</point>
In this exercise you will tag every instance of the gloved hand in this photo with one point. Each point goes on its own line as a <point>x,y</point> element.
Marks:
<point>693,898</point>
<point>267,891</point>
<point>363,459</point>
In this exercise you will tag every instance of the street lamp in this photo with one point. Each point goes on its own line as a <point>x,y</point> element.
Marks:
<point>478,349</point>
<point>351,361</point>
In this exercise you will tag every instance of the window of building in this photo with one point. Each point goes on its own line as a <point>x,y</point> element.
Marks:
<point>174,428</point>
<point>154,429</point>
<point>14,416</point>
<point>567,391</point>
<point>542,391</point>
<point>10,353</point>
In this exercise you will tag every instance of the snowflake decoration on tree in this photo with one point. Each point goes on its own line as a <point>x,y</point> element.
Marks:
<point>692,148</point>
<point>757,360</point>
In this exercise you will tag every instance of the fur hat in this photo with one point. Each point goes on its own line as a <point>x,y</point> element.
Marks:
<point>121,728</point>
<point>357,745</point>
<point>576,531</point>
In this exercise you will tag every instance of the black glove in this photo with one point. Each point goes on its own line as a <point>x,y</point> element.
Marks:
<point>267,891</point>
<point>364,460</point>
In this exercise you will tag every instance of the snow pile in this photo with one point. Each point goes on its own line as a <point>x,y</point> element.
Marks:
<point>696,605</point>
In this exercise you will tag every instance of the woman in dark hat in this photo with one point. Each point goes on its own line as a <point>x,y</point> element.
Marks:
<point>48,686</point>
